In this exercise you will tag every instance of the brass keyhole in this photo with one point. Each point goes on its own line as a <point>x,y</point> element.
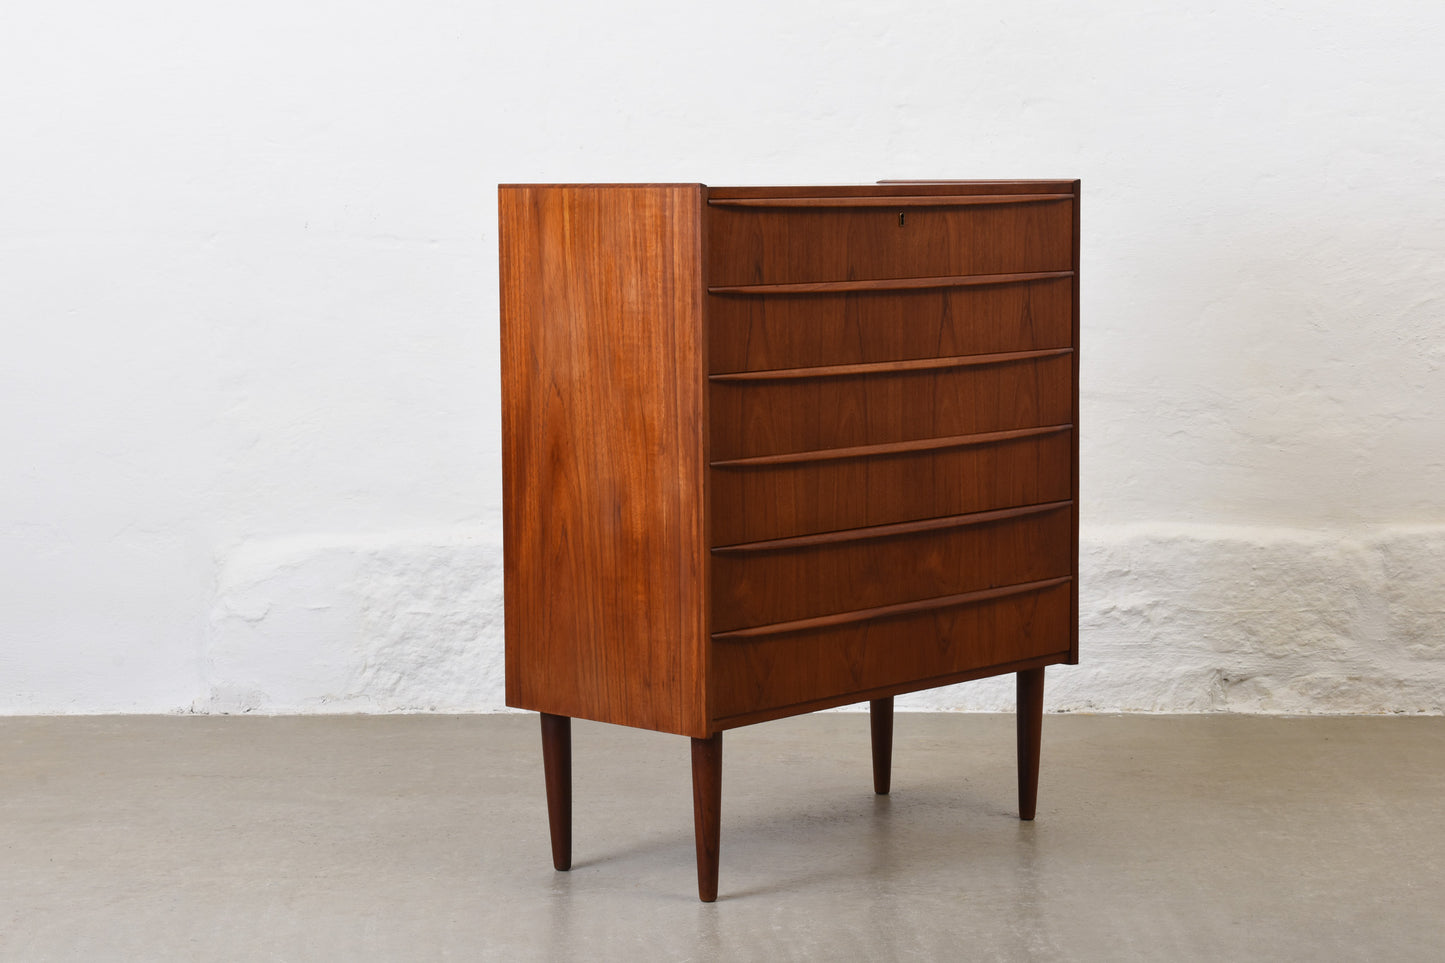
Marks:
<point>900,218</point>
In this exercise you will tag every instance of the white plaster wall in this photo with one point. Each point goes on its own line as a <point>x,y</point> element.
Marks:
<point>248,379</point>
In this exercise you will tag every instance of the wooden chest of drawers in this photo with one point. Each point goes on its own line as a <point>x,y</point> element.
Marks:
<point>770,450</point>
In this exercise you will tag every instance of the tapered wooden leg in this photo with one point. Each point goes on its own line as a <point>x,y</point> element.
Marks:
<point>1030,727</point>
<point>557,763</point>
<point>707,811</point>
<point>880,720</point>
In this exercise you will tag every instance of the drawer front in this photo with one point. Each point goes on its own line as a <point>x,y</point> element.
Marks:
<point>779,245</point>
<point>759,332</point>
<point>753,502</point>
<point>804,411</point>
<point>767,583</point>
<point>793,669</point>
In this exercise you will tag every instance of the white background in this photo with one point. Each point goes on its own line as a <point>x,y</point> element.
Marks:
<point>249,428</point>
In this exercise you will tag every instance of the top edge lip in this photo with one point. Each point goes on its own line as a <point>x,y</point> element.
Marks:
<point>899,188</point>
<point>822,188</point>
<point>519,185</point>
<point>987,180</point>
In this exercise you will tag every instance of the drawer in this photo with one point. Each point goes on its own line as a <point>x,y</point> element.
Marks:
<point>781,581</point>
<point>859,240</point>
<point>812,409</point>
<point>781,496</point>
<point>758,332</point>
<point>828,663</point>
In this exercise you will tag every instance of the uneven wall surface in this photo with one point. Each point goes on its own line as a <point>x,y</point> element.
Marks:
<point>1174,618</point>
<point>249,386</point>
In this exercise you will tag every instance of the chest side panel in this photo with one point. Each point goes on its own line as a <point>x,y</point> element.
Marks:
<point>603,453</point>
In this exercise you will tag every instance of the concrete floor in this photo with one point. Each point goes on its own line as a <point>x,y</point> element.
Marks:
<point>1158,838</point>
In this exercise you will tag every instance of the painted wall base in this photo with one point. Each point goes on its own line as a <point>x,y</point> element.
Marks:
<point>1173,619</point>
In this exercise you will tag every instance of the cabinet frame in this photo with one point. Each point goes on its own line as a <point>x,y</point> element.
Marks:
<point>609,513</point>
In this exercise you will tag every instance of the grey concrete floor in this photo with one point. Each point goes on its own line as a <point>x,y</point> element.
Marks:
<point>424,837</point>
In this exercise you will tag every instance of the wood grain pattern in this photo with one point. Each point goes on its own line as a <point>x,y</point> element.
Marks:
<point>877,692</point>
<point>900,188</point>
<point>1029,686</point>
<point>1073,658</point>
<point>752,418</point>
<point>896,610</point>
<point>796,670</point>
<point>707,811</point>
<point>771,450</point>
<point>884,284</point>
<point>897,200</point>
<point>557,773</point>
<point>604,453</point>
<point>886,367</point>
<point>779,245</point>
<point>759,333</point>
<point>884,531</point>
<point>752,504</point>
<point>887,448</point>
<point>758,588</point>
<point>880,731</point>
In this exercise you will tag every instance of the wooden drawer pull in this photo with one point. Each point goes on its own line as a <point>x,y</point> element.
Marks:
<point>887,611</point>
<point>887,284</point>
<point>885,201</point>
<point>884,367</point>
<point>887,531</point>
<point>892,448</point>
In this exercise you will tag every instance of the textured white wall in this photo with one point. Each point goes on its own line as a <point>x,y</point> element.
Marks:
<point>248,385</point>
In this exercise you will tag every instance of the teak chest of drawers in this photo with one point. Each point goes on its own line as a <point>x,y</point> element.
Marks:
<point>770,450</point>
